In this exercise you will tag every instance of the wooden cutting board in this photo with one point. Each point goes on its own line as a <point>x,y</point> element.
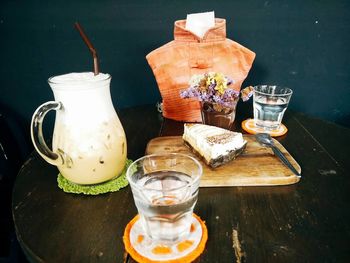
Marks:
<point>256,166</point>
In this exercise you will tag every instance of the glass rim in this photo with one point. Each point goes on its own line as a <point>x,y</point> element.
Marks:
<point>289,90</point>
<point>196,179</point>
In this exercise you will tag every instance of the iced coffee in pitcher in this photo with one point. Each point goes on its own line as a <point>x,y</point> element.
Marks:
<point>89,143</point>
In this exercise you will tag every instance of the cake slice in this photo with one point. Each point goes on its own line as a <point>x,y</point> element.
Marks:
<point>216,146</point>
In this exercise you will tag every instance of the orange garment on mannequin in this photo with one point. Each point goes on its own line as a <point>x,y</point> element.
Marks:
<point>174,63</point>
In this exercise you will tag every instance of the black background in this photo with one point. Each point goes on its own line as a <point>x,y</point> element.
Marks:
<point>300,44</point>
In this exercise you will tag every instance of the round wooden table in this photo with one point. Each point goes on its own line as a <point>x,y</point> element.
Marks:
<point>304,222</point>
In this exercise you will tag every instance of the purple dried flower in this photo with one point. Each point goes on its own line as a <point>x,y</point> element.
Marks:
<point>212,88</point>
<point>184,94</point>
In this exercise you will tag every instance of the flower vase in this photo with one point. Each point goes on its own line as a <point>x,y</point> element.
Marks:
<point>217,115</point>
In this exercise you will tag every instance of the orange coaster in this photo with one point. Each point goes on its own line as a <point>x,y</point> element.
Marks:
<point>143,250</point>
<point>250,127</point>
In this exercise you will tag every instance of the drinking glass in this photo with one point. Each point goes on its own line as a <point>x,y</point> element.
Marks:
<point>165,190</point>
<point>270,103</point>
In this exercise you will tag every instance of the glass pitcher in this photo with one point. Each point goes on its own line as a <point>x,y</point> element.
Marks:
<point>89,143</point>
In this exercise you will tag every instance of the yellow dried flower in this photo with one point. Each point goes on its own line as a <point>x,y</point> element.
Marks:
<point>221,83</point>
<point>211,87</point>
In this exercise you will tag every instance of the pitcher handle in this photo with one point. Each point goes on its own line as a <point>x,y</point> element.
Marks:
<point>37,132</point>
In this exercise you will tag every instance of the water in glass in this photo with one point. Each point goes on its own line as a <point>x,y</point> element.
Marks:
<point>165,204</point>
<point>269,113</point>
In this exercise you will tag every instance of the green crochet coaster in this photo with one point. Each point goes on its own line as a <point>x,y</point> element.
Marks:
<point>109,186</point>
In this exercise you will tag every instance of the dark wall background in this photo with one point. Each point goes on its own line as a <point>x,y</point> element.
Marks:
<point>300,44</point>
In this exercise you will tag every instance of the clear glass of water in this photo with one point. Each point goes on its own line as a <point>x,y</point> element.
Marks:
<point>270,103</point>
<point>165,190</point>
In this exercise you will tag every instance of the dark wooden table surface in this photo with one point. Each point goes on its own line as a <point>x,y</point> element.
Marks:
<point>305,222</point>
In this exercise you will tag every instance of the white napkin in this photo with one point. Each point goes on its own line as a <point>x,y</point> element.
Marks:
<point>199,23</point>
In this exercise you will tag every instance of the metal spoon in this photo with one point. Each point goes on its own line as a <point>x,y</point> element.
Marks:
<point>266,140</point>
